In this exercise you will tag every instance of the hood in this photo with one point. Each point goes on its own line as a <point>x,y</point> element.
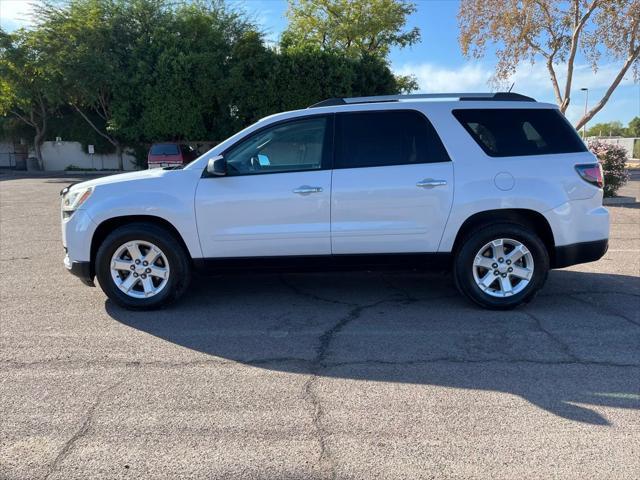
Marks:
<point>124,177</point>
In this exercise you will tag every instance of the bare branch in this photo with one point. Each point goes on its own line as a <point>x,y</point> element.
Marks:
<point>536,47</point>
<point>633,35</point>
<point>616,81</point>
<point>104,113</point>
<point>579,23</point>
<point>554,80</point>
<point>25,120</point>
<point>548,26</point>
<point>112,141</point>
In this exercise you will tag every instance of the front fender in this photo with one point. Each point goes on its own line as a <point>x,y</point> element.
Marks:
<point>169,198</point>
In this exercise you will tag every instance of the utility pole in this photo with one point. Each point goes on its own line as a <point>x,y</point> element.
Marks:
<point>586,102</point>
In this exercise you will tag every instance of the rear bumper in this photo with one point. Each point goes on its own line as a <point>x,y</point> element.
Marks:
<point>583,252</point>
<point>82,270</point>
<point>164,164</point>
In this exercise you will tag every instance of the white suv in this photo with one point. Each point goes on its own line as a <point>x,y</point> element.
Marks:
<point>497,186</point>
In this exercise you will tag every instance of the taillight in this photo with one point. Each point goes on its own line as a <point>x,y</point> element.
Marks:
<point>591,173</point>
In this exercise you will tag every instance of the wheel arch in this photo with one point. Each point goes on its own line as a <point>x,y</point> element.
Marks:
<point>109,225</point>
<point>525,217</point>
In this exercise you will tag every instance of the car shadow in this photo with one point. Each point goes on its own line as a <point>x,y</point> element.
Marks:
<point>574,349</point>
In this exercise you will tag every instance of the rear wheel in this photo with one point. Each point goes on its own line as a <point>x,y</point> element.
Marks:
<point>142,266</point>
<point>501,266</point>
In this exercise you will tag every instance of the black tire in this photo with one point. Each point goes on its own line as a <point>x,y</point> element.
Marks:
<point>179,262</point>
<point>471,245</point>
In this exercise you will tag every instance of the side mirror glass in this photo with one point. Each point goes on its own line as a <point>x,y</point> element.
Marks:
<point>217,166</point>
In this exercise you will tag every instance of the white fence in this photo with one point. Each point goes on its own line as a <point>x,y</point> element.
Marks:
<point>8,155</point>
<point>60,155</point>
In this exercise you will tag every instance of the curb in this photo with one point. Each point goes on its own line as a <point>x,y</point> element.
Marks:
<point>619,200</point>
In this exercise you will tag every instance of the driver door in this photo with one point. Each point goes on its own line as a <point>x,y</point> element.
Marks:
<point>275,198</point>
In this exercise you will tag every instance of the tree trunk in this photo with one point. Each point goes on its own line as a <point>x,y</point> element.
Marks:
<point>37,147</point>
<point>119,154</point>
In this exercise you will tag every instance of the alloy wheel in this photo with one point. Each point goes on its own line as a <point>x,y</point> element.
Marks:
<point>503,267</point>
<point>140,269</point>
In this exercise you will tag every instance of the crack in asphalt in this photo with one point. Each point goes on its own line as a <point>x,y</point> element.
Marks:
<point>296,290</point>
<point>563,346</point>
<point>586,292</point>
<point>82,431</point>
<point>316,366</point>
<point>115,363</point>
<point>461,360</point>
<point>605,308</point>
<point>318,363</point>
<point>307,363</point>
<point>317,413</point>
<point>409,298</point>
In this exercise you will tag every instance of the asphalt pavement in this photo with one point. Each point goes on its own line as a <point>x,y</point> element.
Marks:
<point>313,376</point>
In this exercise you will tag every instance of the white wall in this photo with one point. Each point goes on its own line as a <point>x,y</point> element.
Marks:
<point>7,155</point>
<point>59,155</point>
<point>626,143</point>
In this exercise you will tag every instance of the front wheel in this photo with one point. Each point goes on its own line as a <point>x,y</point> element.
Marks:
<point>501,266</point>
<point>142,266</point>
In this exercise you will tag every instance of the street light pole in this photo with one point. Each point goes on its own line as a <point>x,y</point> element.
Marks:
<point>586,101</point>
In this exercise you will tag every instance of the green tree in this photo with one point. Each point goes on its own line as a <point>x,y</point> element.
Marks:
<point>251,87</point>
<point>180,86</point>
<point>633,130</point>
<point>142,70</point>
<point>29,88</point>
<point>609,129</point>
<point>367,26</point>
<point>139,71</point>
<point>91,39</point>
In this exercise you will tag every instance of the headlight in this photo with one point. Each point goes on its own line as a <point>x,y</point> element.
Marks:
<point>71,201</point>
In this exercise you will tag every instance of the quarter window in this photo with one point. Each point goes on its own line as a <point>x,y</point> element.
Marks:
<point>292,146</point>
<point>392,137</point>
<point>507,132</point>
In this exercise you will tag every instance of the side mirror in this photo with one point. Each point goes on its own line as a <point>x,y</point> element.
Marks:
<point>217,166</point>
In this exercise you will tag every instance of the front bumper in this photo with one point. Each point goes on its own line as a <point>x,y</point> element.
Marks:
<point>77,232</point>
<point>82,270</point>
<point>583,252</point>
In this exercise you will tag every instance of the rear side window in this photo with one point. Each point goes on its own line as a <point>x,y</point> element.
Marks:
<point>393,137</point>
<point>164,149</point>
<point>519,132</point>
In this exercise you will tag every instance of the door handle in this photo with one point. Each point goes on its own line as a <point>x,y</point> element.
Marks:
<point>306,190</point>
<point>430,183</point>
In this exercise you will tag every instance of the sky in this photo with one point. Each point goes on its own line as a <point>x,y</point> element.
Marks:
<point>437,61</point>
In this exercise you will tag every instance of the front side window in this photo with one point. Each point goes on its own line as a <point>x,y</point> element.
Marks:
<point>510,132</point>
<point>382,138</point>
<point>292,146</point>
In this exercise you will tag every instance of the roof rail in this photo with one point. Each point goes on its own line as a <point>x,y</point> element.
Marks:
<point>500,96</point>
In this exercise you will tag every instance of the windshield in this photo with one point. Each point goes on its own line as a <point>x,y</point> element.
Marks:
<point>164,149</point>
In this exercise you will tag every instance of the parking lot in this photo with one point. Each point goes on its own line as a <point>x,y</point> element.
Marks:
<point>313,376</point>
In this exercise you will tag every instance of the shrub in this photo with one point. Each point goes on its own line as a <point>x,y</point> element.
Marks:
<point>613,159</point>
<point>636,148</point>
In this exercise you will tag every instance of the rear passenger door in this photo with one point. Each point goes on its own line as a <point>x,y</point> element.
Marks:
<point>392,184</point>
